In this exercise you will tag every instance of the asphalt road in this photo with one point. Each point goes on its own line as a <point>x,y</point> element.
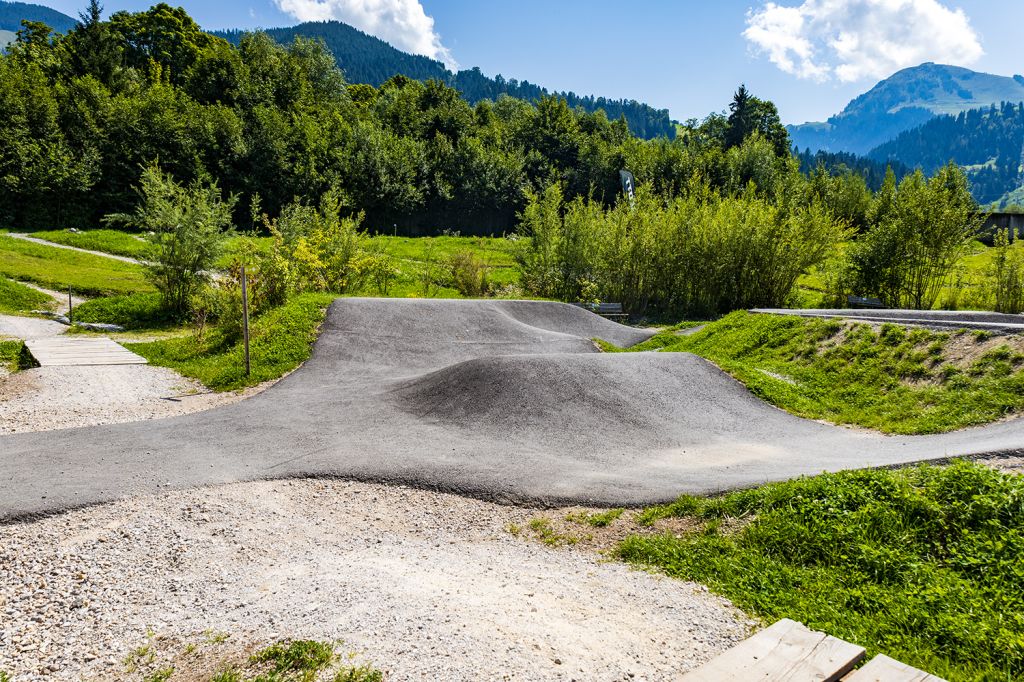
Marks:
<point>998,323</point>
<point>501,400</point>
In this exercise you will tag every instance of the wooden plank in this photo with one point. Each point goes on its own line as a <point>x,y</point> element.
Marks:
<point>785,651</point>
<point>66,352</point>
<point>884,669</point>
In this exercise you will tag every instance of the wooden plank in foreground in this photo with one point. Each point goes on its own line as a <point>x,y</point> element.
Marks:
<point>69,352</point>
<point>785,651</point>
<point>884,669</point>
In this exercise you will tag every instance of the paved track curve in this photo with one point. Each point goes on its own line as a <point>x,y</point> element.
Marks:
<point>500,400</point>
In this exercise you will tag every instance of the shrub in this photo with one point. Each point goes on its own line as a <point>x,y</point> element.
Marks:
<point>1006,276</point>
<point>468,273</point>
<point>188,226</point>
<point>700,254</point>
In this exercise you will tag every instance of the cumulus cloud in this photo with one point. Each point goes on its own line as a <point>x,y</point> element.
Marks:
<point>403,23</point>
<point>852,40</point>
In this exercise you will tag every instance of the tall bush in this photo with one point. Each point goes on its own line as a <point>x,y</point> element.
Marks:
<point>920,230</point>
<point>188,226</point>
<point>698,254</point>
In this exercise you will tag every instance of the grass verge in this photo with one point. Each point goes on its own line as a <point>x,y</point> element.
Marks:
<point>18,298</point>
<point>925,565</point>
<point>280,340</point>
<point>131,311</point>
<point>890,378</point>
<point>57,268</point>
<point>107,241</point>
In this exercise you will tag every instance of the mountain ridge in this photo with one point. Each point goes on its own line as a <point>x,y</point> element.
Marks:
<point>905,100</point>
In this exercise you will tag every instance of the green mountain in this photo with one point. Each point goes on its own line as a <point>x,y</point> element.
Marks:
<point>366,59</point>
<point>904,101</point>
<point>11,14</point>
<point>987,142</point>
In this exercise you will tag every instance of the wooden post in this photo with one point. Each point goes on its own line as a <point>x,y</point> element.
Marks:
<point>71,315</point>
<point>245,321</point>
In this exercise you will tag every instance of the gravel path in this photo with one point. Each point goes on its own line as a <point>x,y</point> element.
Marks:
<point>423,585</point>
<point>17,327</point>
<point>47,398</point>
<point>36,240</point>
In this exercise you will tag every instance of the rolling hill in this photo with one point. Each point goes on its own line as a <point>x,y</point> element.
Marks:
<point>904,101</point>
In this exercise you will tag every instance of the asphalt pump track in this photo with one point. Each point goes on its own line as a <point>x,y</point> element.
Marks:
<point>509,401</point>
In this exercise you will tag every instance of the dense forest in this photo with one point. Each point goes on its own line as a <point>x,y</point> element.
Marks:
<point>366,59</point>
<point>988,143</point>
<point>838,163</point>
<point>82,114</point>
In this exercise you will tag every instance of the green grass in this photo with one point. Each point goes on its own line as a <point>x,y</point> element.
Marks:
<point>925,565</point>
<point>280,340</point>
<point>114,242</point>
<point>131,311</point>
<point>895,380</point>
<point>57,268</point>
<point>10,354</point>
<point>18,298</point>
<point>298,661</point>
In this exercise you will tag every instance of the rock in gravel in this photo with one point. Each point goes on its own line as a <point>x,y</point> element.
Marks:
<point>423,585</point>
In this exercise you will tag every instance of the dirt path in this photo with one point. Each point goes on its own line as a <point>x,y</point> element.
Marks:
<point>60,299</point>
<point>36,240</point>
<point>423,585</point>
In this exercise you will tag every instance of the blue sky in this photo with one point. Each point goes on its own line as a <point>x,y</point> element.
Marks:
<point>809,56</point>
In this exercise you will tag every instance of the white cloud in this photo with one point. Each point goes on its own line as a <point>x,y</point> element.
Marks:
<point>403,23</point>
<point>852,40</point>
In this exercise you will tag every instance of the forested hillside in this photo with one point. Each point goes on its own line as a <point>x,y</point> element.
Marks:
<point>12,13</point>
<point>837,163</point>
<point>988,143</point>
<point>366,59</point>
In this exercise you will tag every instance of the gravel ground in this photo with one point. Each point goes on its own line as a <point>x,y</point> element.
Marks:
<point>16,327</point>
<point>48,398</point>
<point>423,585</point>
<point>1010,465</point>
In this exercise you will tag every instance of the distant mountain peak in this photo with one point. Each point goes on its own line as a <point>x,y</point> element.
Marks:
<point>904,100</point>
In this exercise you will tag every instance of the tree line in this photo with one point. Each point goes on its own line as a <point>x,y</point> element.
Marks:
<point>123,115</point>
<point>366,59</point>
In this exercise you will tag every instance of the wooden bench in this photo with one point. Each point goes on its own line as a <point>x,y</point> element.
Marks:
<point>790,651</point>
<point>862,302</point>
<point>609,310</point>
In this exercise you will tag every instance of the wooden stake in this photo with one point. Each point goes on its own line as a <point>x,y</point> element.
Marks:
<point>71,315</point>
<point>245,321</point>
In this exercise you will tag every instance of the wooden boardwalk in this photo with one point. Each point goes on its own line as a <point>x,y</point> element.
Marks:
<point>68,351</point>
<point>790,651</point>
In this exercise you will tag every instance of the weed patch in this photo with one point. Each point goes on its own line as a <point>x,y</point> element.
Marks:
<point>924,564</point>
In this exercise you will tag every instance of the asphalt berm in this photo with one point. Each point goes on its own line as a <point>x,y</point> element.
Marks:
<point>506,401</point>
